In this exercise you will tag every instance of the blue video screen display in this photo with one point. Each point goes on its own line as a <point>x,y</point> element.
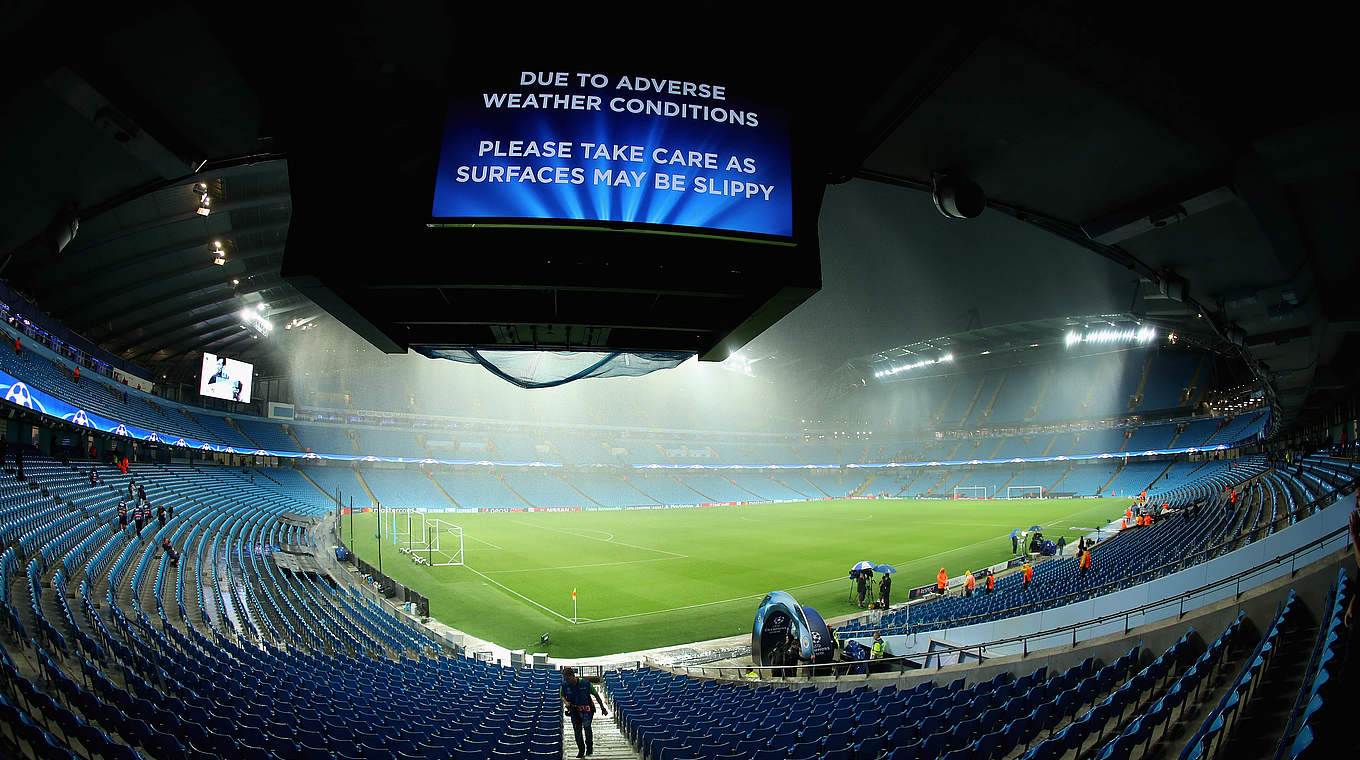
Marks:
<point>616,148</point>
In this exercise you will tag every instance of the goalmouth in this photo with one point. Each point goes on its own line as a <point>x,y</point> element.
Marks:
<point>446,543</point>
<point>970,492</point>
<point>1024,492</point>
<point>427,540</point>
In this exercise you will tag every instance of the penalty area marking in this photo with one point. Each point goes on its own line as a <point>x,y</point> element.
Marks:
<point>609,540</point>
<point>488,543</point>
<point>498,584</point>
<point>593,564</point>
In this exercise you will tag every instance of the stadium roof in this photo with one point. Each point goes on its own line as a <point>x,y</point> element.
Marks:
<point>1157,169</point>
<point>1120,331</point>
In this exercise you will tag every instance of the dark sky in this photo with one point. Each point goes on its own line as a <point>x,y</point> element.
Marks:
<point>895,271</point>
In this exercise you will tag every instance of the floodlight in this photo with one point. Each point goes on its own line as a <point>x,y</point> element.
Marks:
<point>1140,336</point>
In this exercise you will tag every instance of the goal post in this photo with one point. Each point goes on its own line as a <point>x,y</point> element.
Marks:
<point>427,540</point>
<point>1024,492</point>
<point>445,543</point>
<point>970,492</point>
<point>405,526</point>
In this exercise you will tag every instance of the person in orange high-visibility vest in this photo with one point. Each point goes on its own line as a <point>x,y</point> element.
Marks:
<point>1026,575</point>
<point>1085,562</point>
<point>941,581</point>
<point>991,582</point>
<point>1128,513</point>
<point>1123,523</point>
<point>969,583</point>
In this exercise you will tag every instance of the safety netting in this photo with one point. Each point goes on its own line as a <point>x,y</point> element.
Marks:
<point>527,368</point>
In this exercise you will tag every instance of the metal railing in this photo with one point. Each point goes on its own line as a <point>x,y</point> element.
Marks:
<point>1167,568</point>
<point>840,669</point>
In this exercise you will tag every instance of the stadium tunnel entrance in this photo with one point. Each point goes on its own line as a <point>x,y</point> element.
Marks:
<point>780,615</point>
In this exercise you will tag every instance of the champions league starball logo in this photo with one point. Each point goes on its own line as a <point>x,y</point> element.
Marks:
<point>152,438</point>
<point>79,418</point>
<point>19,394</point>
<point>121,430</point>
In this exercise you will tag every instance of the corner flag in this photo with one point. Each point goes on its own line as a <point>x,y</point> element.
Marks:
<point>573,593</point>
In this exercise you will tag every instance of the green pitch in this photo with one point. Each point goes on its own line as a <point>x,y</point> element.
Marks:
<point>650,578</point>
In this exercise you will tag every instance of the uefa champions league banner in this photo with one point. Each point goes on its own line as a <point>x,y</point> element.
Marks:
<point>615,147</point>
<point>20,393</point>
<point>954,463</point>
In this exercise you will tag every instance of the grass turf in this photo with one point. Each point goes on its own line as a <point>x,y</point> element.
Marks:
<point>650,578</point>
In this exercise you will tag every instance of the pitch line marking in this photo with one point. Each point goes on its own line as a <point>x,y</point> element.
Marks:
<point>494,582</point>
<point>488,543</point>
<point>595,564</point>
<point>609,540</point>
<point>801,586</point>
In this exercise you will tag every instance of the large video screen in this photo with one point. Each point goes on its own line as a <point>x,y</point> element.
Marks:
<point>226,378</point>
<point>628,147</point>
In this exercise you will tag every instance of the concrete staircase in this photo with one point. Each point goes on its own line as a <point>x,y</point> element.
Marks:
<point>609,744</point>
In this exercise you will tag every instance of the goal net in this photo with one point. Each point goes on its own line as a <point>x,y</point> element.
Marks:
<point>428,540</point>
<point>445,545</point>
<point>1024,492</point>
<point>404,526</point>
<point>970,492</point>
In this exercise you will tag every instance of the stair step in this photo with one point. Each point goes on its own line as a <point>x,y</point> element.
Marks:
<point>609,741</point>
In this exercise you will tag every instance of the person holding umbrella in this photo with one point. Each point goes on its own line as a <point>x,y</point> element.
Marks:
<point>862,572</point>
<point>885,585</point>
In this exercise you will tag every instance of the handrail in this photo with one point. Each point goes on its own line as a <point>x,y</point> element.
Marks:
<point>1023,639</point>
<point>1188,560</point>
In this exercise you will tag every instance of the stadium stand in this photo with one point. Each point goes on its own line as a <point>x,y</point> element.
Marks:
<point>340,478</point>
<point>324,439</point>
<point>479,487</point>
<point>1027,713</point>
<point>266,435</point>
<point>390,443</point>
<point>221,681</point>
<point>400,488</point>
<point>1133,556</point>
